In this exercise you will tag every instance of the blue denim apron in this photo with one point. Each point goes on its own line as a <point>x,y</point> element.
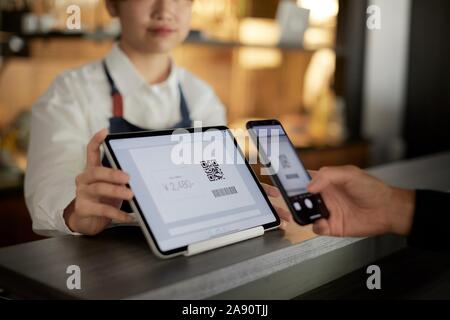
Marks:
<point>117,124</point>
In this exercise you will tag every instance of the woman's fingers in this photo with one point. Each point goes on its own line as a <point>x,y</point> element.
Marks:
<point>283,214</point>
<point>93,149</point>
<point>312,173</point>
<point>109,190</point>
<point>271,190</point>
<point>89,208</point>
<point>102,174</point>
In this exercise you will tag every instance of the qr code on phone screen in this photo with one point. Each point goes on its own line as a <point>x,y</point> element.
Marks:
<point>212,170</point>
<point>285,164</point>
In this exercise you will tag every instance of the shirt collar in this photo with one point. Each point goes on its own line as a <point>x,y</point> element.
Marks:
<point>128,79</point>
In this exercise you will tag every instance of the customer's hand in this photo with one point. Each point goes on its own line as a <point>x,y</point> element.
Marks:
<point>361,205</point>
<point>100,192</point>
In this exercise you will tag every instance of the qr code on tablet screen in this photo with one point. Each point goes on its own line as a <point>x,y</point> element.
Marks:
<point>212,170</point>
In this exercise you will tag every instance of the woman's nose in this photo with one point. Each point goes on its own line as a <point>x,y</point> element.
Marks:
<point>163,10</point>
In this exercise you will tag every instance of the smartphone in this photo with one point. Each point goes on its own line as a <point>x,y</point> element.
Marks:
<point>282,164</point>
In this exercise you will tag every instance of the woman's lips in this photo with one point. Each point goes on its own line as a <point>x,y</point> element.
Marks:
<point>162,31</point>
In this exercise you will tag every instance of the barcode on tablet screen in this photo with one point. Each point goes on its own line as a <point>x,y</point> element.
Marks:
<point>224,192</point>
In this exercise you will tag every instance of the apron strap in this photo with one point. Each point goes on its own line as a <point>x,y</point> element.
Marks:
<point>117,100</point>
<point>115,94</point>
<point>184,110</point>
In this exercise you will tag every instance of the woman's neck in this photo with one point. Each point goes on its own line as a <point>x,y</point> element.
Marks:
<point>155,68</point>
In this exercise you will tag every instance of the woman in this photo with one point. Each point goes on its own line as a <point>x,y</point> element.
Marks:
<point>135,87</point>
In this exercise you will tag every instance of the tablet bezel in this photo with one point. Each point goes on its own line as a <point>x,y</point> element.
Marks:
<point>135,204</point>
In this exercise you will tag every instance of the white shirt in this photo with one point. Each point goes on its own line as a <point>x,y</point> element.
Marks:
<point>77,105</point>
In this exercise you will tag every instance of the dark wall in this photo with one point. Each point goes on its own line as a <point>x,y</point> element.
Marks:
<point>427,119</point>
<point>350,49</point>
<point>262,8</point>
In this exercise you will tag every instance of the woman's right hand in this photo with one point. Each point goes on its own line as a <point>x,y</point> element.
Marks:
<point>100,192</point>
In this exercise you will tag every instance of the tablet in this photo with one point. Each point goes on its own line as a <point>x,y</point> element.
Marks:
<point>193,189</point>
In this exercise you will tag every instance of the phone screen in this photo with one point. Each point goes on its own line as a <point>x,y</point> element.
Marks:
<point>288,172</point>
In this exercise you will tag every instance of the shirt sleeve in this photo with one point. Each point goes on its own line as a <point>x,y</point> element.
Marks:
<point>204,104</point>
<point>56,155</point>
<point>214,111</point>
<point>431,221</point>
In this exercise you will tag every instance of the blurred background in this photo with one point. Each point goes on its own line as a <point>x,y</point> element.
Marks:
<point>348,89</point>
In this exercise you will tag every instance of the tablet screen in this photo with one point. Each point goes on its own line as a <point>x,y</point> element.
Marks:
<point>192,186</point>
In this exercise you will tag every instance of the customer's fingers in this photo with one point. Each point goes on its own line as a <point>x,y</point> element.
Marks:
<point>321,227</point>
<point>331,175</point>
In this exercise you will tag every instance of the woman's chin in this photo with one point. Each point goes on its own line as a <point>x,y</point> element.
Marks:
<point>159,47</point>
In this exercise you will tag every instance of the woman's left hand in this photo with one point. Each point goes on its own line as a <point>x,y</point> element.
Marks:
<point>284,215</point>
